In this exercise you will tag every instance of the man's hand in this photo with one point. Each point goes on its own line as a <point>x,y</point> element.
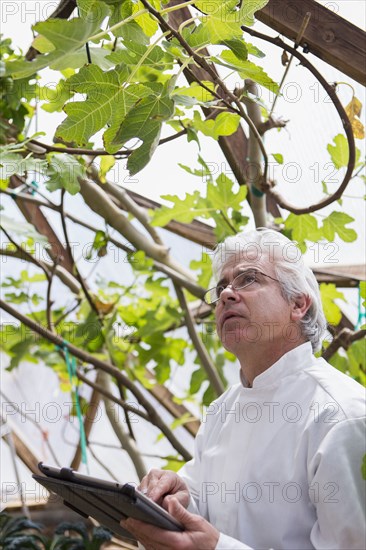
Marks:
<point>158,484</point>
<point>198,534</point>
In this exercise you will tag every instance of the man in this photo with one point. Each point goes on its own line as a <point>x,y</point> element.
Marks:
<point>277,461</point>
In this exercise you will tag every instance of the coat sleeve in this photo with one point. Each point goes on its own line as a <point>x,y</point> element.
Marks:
<point>337,488</point>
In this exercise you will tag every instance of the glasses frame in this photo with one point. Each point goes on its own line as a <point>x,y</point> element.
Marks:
<point>232,285</point>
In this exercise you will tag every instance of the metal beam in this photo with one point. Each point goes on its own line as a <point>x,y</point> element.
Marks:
<point>328,36</point>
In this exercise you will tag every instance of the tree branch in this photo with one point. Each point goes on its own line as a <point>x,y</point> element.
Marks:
<point>128,444</point>
<point>99,201</point>
<point>343,340</point>
<point>178,276</point>
<point>106,367</point>
<point>26,254</point>
<point>202,353</point>
<point>89,419</point>
<point>201,61</point>
<point>93,307</point>
<point>97,387</point>
<point>343,116</point>
<point>128,203</point>
<point>257,202</point>
<point>60,272</point>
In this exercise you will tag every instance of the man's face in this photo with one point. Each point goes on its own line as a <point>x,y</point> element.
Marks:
<point>257,314</point>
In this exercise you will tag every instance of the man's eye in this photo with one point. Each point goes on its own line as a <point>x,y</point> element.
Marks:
<point>246,279</point>
<point>219,289</point>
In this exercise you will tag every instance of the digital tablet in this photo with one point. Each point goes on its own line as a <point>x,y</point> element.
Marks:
<point>106,501</point>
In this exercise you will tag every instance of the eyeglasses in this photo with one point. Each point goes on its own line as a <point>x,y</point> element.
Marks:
<point>243,280</point>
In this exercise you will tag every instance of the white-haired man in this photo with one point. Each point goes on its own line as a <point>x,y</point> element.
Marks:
<point>277,462</point>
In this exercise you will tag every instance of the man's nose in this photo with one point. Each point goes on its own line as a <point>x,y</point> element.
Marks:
<point>229,294</point>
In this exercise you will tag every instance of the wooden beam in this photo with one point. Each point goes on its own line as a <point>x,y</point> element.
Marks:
<point>34,215</point>
<point>203,234</point>
<point>328,36</point>
<point>25,454</point>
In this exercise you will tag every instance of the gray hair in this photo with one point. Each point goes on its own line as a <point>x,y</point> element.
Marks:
<point>295,278</point>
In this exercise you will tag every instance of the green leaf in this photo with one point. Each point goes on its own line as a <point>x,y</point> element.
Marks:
<point>89,333</point>
<point>133,53</point>
<point>106,163</point>
<point>148,24</point>
<point>196,92</point>
<point>197,379</point>
<point>107,102</point>
<point>335,223</point>
<point>254,50</point>
<point>223,20</point>
<point>63,173</point>
<point>278,157</point>
<point>85,7</point>
<point>20,351</point>
<point>144,121</point>
<point>37,278</point>
<point>172,463</point>
<point>224,124</point>
<point>363,292</point>
<point>130,31</point>
<point>14,298</point>
<point>238,47</point>
<point>304,227</point>
<point>339,152</point>
<point>55,97</point>
<point>222,197</point>
<point>205,267</point>
<point>203,172</point>
<point>209,396</point>
<point>339,362</point>
<point>356,356</point>
<point>66,36</point>
<point>75,60</point>
<point>247,69</point>
<point>184,210</point>
<point>329,293</point>
<point>14,163</point>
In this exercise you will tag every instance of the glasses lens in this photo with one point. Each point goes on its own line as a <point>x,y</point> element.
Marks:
<point>211,296</point>
<point>244,279</point>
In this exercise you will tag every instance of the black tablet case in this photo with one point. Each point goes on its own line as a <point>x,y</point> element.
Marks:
<point>108,507</point>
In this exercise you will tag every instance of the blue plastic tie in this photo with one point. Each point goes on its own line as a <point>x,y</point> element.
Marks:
<point>71,368</point>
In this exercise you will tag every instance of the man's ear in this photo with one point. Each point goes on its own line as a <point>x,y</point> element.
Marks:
<point>300,306</point>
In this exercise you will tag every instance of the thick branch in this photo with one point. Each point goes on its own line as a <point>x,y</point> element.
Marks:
<point>343,340</point>
<point>27,255</point>
<point>89,419</point>
<point>128,204</point>
<point>174,274</point>
<point>205,359</point>
<point>77,272</point>
<point>102,204</point>
<point>257,202</point>
<point>234,147</point>
<point>60,272</point>
<point>343,116</point>
<point>40,148</point>
<point>128,444</point>
<point>35,216</point>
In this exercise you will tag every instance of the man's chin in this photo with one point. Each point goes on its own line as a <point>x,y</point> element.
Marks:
<point>236,332</point>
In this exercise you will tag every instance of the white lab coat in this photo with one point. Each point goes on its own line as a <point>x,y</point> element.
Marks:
<point>278,466</point>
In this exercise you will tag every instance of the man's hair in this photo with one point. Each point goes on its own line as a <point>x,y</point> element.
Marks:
<point>295,278</point>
